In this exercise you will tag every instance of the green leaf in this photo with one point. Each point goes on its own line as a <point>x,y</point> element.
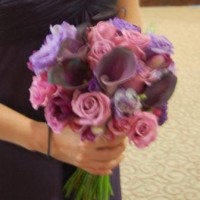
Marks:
<point>151,28</point>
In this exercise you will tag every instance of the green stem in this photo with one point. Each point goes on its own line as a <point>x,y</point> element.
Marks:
<point>100,195</point>
<point>88,187</point>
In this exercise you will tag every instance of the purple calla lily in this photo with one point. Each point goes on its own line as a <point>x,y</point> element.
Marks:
<point>115,68</point>
<point>160,91</point>
<point>71,74</point>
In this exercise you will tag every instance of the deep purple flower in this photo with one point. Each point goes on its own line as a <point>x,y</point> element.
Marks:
<point>93,85</point>
<point>115,68</point>
<point>158,45</point>
<point>160,91</point>
<point>71,48</point>
<point>72,74</point>
<point>163,118</point>
<point>88,135</point>
<point>46,56</point>
<point>58,111</point>
<point>122,24</point>
<point>161,113</point>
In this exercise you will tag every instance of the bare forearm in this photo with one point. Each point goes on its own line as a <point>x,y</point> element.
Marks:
<point>132,14</point>
<point>20,130</point>
<point>95,157</point>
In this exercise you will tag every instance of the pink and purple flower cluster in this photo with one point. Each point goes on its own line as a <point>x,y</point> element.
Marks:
<point>107,79</point>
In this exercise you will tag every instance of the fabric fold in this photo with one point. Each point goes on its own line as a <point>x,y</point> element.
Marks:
<point>27,20</point>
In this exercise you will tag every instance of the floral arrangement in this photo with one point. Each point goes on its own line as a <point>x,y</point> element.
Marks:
<point>109,76</point>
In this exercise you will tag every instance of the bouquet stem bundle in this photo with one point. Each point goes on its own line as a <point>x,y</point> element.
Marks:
<point>85,186</point>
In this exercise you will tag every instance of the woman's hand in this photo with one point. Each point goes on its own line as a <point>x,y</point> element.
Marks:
<point>98,157</point>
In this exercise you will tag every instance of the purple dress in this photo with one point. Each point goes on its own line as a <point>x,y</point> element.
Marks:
<point>26,175</point>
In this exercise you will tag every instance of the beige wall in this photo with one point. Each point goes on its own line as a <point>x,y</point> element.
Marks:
<point>168,2</point>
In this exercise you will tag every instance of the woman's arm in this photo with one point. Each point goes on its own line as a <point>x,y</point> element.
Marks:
<point>98,157</point>
<point>132,13</point>
<point>20,130</point>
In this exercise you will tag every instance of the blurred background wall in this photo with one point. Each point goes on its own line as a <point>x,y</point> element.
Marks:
<point>168,2</point>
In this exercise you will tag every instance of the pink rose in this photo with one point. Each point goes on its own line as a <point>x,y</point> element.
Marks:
<point>133,40</point>
<point>120,126</point>
<point>91,108</point>
<point>144,130</point>
<point>58,111</point>
<point>40,91</point>
<point>136,38</point>
<point>98,50</point>
<point>102,31</point>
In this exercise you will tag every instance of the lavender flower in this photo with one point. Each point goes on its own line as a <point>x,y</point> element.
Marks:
<point>64,31</point>
<point>158,45</point>
<point>122,24</point>
<point>126,102</point>
<point>46,56</point>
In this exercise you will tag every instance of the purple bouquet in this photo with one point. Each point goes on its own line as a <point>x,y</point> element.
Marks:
<point>105,77</point>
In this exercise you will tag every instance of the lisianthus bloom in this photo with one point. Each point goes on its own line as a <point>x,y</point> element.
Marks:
<point>126,102</point>
<point>46,56</point>
<point>41,91</point>
<point>144,130</point>
<point>91,108</point>
<point>59,111</point>
<point>158,45</point>
<point>123,24</point>
<point>64,30</point>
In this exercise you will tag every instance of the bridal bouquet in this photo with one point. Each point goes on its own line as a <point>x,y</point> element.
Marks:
<point>103,80</point>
